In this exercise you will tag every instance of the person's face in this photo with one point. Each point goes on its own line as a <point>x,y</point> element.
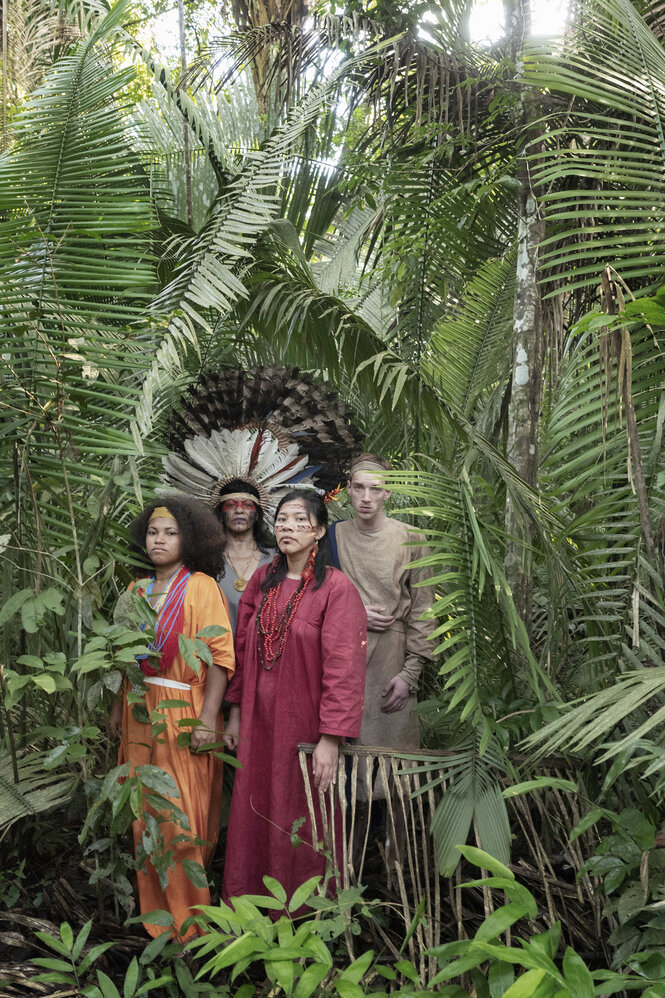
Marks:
<point>163,542</point>
<point>238,515</point>
<point>367,494</point>
<point>295,530</point>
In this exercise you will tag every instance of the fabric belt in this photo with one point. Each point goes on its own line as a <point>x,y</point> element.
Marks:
<point>170,684</point>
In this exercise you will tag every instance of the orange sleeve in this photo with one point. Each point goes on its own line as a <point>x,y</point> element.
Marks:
<point>210,608</point>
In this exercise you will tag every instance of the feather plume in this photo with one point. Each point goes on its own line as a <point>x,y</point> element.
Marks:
<point>271,427</point>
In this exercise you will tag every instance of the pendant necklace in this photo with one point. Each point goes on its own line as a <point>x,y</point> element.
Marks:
<point>241,582</point>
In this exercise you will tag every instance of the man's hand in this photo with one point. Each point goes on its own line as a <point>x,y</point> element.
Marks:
<point>395,695</point>
<point>324,762</point>
<point>232,729</point>
<point>377,619</point>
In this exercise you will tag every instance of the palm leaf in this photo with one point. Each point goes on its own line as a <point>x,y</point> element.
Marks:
<point>602,171</point>
<point>37,790</point>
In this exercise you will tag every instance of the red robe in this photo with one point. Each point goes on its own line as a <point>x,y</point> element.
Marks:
<point>316,687</point>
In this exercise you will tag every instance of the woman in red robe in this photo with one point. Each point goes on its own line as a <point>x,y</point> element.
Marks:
<point>300,677</point>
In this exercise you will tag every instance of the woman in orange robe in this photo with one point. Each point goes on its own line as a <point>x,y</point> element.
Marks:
<point>183,540</point>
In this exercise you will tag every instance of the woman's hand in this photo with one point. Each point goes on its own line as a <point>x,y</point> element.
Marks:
<point>324,762</point>
<point>114,723</point>
<point>204,733</point>
<point>232,729</point>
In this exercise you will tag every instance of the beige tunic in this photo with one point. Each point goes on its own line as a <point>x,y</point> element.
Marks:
<point>376,562</point>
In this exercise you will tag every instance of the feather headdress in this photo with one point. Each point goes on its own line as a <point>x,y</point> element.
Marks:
<point>270,427</point>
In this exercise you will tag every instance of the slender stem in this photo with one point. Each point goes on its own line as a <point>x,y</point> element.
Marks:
<point>183,67</point>
<point>9,725</point>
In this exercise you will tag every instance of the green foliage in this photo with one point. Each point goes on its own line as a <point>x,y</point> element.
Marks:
<point>601,168</point>
<point>73,967</point>
<point>296,962</point>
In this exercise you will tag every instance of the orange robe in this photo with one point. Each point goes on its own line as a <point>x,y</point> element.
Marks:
<point>198,777</point>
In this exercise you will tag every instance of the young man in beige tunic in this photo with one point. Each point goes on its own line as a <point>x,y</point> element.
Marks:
<point>374,551</point>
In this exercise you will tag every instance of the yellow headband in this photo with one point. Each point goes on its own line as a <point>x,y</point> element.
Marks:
<point>161,511</point>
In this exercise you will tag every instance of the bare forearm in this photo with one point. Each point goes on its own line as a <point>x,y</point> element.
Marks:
<point>216,684</point>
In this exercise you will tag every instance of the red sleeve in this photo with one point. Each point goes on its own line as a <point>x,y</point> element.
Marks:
<point>245,631</point>
<point>344,658</point>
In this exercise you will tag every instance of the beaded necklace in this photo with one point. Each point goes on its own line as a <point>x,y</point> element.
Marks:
<point>272,631</point>
<point>170,620</point>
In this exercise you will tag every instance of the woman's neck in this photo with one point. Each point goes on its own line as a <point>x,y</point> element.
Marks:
<point>165,574</point>
<point>295,564</point>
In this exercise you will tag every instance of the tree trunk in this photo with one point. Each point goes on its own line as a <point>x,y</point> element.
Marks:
<point>528,338</point>
<point>250,15</point>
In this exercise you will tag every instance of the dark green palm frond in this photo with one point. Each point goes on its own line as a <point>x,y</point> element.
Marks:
<point>615,614</point>
<point>602,170</point>
<point>207,286</point>
<point>586,469</point>
<point>75,272</point>
<point>205,126</point>
<point>477,624</point>
<point>472,799</point>
<point>73,247</point>
<point>431,238</point>
<point>469,353</point>
<point>340,257</point>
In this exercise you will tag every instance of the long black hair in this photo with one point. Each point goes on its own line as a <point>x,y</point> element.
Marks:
<point>317,510</point>
<point>260,533</point>
<point>201,533</point>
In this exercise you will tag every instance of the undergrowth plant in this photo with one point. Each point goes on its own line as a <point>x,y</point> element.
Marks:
<point>264,938</point>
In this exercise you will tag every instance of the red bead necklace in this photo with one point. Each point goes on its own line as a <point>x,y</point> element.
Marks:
<point>273,631</point>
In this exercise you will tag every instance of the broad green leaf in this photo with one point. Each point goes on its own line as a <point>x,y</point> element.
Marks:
<point>107,986</point>
<point>345,989</point>
<point>154,948</point>
<point>485,861</point>
<point>309,980</point>
<point>52,963</point>
<point>81,940</point>
<point>157,779</point>
<point>211,631</point>
<point>45,682</point>
<point>302,893</point>
<point>246,945</point>
<point>156,917</point>
<point>356,970</point>
<point>499,921</point>
<point>500,976</point>
<point>542,781</point>
<point>275,888</point>
<point>195,872</point>
<point>577,976</point>
<point>131,979</point>
<point>14,604</point>
<point>526,985</point>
